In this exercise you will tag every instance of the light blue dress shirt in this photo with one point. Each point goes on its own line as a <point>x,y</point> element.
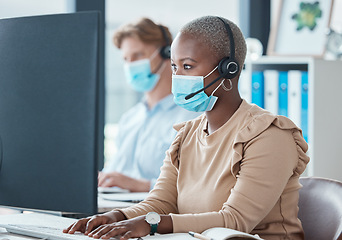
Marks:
<point>143,137</point>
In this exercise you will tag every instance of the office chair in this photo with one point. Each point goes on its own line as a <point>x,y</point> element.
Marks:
<point>320,208</point>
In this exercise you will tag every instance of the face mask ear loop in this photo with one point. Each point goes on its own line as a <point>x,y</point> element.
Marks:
<point>154,54</point>
<point>212,94</point>
<point>210,72</point>
<point>161,66</point>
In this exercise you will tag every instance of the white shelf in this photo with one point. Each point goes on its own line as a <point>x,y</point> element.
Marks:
<point>324,109</point>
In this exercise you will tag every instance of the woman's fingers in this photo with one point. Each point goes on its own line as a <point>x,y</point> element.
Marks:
<point>133,228</point>
<point>80,226</point>
<point>95,222</point>
<point>127,235</point>
<point>87,225</point>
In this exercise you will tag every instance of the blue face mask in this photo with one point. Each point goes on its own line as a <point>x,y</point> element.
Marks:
<point>184,85</point>
<point>140,76</point>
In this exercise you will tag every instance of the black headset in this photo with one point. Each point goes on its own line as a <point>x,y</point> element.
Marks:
<point>227,67</point>
<point>165,51</point>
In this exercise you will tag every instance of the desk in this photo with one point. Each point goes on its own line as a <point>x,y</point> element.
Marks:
<point>39,219</point>
<point>52,221</point>
<point>108,205</point>
<point>103,206</point>
<point>6,210</point>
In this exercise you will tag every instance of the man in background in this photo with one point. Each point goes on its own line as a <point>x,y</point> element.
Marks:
<point>145,131</point>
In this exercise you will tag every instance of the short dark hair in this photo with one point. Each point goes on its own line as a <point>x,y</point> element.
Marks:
<point>211,31</point>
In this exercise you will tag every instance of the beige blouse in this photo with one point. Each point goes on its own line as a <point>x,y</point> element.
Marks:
<point>243,176</point>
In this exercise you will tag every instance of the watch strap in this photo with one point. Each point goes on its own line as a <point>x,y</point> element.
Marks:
<point>153,229</point>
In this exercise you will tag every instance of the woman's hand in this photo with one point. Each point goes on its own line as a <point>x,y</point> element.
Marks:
<point>132,228</point>
<point>86,225</point>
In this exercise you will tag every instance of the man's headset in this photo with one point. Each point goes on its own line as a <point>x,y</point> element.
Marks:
<point>227,67</point>
<point>165,51</point>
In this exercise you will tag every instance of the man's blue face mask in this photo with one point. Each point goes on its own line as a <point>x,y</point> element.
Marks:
<point>140,76</point>
<point>184,85</point>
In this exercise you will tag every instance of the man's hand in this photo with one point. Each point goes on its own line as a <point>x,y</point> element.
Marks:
<point>116,179</point>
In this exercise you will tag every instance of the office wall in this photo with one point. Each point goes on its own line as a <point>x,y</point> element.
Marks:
<point>19,8</point>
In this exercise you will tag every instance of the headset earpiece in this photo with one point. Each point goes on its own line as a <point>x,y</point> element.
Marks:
<point>228,68</point>
<point>165,51</point>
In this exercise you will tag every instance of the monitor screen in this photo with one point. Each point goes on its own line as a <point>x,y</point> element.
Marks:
<point>50,113</point>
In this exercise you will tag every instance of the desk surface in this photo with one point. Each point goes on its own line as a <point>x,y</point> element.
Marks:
<point>104,205</point>
<point>39,219</point>
<point>108,201</point>
<point>48,220</point>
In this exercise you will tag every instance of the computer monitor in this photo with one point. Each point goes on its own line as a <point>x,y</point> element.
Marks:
<point>50,112</point>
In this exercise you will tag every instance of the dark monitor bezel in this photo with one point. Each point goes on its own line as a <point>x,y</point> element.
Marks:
<point>50,112</point>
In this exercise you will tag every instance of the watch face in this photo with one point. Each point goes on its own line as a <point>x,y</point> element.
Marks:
<point>152,218</point>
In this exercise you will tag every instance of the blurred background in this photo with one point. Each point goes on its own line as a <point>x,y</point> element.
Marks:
<point>255,18</point>
<point>175,13</point>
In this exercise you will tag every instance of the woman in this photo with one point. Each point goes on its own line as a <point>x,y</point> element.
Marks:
<point>235,166</point>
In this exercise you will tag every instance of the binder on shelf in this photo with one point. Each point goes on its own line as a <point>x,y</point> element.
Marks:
<point>304,103</point>
<point>283,96</point>
<point>294,96</point>
<point>258,88</point>
<point>245,83</point>
<point>271,90</point>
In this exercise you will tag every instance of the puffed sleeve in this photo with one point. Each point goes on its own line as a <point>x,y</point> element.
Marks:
<point>269,160</point>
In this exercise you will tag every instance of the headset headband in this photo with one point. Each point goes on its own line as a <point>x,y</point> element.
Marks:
<point>166,38</point>
<point>231,38</point>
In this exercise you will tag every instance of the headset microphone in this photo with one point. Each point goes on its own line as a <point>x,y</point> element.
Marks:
<point>227,67</point>
<point>187,97</point>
